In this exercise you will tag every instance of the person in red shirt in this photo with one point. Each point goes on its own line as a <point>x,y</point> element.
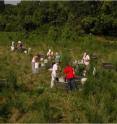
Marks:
<point>70,75</point>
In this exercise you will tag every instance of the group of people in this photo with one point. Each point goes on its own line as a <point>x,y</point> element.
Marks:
<point>51,55</point>
<point>54,58</point>
<point>19,47</point>
<point>69,72</point>
<point>69,76</point>
<point>41,60</point>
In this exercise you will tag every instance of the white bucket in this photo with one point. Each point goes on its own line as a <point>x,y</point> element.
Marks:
<point>83,80</point>
<point>61,80</point>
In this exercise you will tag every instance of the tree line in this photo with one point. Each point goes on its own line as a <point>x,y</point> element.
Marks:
<point>97,17</point>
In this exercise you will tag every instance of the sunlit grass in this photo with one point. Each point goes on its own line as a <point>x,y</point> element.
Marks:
<point>29,98</point>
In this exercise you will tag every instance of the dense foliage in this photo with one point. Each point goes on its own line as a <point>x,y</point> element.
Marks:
<point>97,17</point>
<point>63,27</point>
<point>28,98</point>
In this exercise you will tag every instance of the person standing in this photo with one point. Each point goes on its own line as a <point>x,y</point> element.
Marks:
<point>86,62</point>
<point>86,59</point>
<point>54,74</point>
<point>50,54</point>
<point>35,64</point>
<point>70,76</point>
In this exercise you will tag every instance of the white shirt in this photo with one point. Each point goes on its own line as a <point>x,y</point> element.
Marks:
<point>36,65</point>
<point>33,60</point>
<point>54,69</point>
<point>49,53</point>
<point>86,59</point>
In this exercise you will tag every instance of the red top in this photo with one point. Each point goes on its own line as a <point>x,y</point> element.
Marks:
<point>69,72</point>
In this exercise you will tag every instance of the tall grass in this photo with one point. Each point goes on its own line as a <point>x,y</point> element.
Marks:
<point>29,96</point>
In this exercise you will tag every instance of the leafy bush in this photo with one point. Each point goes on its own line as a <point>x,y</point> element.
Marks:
<point>88,23</point>
<point>12,80</point>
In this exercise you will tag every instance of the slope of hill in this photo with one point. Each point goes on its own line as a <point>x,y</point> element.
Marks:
<point>29,98</point>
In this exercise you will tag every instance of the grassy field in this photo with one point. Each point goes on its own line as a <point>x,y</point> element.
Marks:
<point>28,98</point>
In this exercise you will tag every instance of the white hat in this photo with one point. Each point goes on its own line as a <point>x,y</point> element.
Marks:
<point>19,41</point>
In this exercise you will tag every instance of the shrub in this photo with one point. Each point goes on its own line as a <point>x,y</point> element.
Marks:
<point>43,106</point>
<point>12,80</point>
<point>88,23</point>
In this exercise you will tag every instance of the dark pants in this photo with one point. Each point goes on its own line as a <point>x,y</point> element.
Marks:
<point>71,84</point>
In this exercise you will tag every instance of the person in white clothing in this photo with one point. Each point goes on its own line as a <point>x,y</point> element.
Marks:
<point>86,59</point>
<point>54,74</point>
<point>35,64</point>
<point>36,67</point>
<point>50,54</point>
<point>13,46</point>
<point>86,62</point>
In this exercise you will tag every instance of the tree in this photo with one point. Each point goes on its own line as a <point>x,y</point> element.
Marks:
<point>2,5</point>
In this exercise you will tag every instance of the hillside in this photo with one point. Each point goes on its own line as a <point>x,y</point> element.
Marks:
<point>28,98</point>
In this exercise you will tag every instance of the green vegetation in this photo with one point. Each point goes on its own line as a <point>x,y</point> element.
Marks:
<point>66,17</point>
<point>28,97</point>
<point>69,28</point>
